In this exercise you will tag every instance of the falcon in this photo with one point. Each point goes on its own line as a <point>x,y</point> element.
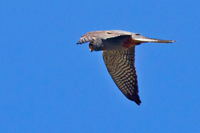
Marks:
<point>119,56</point>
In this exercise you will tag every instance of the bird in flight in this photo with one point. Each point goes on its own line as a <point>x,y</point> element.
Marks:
<point>119,56</point>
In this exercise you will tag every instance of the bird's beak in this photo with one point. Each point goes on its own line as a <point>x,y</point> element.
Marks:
<point>91,47</point>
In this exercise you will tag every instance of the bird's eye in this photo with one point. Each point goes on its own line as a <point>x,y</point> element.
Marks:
<point>90,44</point>
<point>91,47</point>
<point>109,33</point>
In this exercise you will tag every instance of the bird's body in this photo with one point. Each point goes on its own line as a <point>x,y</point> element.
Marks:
<point>119,56</point>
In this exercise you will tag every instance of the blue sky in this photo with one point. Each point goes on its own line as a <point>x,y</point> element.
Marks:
<point>50,84</point>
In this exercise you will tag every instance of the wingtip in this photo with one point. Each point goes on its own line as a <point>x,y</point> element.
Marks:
<point>138,102</point>
<point>135,99</point>
<point>78,42</point>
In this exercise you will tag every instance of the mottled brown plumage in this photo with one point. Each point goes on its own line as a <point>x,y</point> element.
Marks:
<point>119,56</point>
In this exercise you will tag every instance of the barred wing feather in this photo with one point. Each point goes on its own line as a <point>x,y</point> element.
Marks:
<point>121,66</point>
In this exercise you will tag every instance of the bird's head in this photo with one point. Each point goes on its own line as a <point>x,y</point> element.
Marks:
<point>96,45</point>
<point>91,47</point>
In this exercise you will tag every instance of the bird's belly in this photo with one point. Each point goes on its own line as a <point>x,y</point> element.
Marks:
<point>122,42</point>
<point>113,46</point>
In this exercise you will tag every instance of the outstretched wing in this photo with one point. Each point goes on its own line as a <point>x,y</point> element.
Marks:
<point>86,38</point>
<point>90,36</point>
<point>121,66</point>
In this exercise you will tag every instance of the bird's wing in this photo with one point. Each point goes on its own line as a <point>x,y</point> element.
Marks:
<point>121,66</point>
<point>90,36</point>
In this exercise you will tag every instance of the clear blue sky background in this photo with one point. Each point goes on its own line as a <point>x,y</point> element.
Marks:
<point>50,84</point>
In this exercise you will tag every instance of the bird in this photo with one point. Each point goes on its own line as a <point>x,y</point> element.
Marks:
<point>119,56</point>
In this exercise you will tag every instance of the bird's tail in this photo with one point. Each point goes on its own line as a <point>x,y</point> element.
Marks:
<point>143,39</point>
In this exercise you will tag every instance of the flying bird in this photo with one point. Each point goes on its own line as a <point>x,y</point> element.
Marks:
<point>119,56</point>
